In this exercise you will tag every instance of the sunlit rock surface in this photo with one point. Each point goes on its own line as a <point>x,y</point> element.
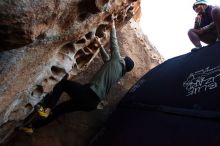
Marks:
<point>41,41</point>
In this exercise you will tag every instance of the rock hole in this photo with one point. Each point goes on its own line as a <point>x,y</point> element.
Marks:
<point>120,18</point>
<point>127,18</point>
<point>131,8</point>
<point>82,58</point>
<point>52,78</point>
<point>74,66</point>
<point>29,106</point>
<point>38,91</point>
<point>83,16</point>
<point>64,59</point>
<point>58,71</point>
<point>100,31</point>
<point>67,49</point>
<point>89,5</point>
<point>82,41</point>
<point>61,56</point>
<point>92,47</point>
<point>131,1</point>
<point>79,54</point>
<point>45,81</point>
<point>87,50</point>
<point>154,57</point>
<point>89,35</point>
<point>108,18</point>
<point>49,83</point>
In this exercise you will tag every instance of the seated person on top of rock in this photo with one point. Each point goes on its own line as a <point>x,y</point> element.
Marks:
<point>207,24</point>
<point>84,97</point>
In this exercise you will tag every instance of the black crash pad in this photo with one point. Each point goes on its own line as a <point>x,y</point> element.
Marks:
<point>175,104</point>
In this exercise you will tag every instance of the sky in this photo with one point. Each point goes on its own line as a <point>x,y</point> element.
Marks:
<point>166,23</point>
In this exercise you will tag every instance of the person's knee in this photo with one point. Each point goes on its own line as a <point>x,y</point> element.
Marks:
<point>191,32</point>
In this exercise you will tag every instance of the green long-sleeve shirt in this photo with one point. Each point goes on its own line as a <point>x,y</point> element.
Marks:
<point>111,71</point>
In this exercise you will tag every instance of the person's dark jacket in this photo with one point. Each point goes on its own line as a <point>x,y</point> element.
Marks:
<point>206,21</point>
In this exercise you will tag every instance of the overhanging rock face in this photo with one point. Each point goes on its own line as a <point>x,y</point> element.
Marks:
<point>26,21</point>
<point>41,41</point>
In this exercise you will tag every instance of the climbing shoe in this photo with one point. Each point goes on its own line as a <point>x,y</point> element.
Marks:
<point>43,112</point>
<point>28,130</point>
<point>195,49</point>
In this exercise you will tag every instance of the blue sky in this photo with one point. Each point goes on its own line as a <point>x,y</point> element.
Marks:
<point>166,24</point>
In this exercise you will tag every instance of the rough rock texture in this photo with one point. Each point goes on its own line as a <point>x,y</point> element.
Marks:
<point>41,41</point>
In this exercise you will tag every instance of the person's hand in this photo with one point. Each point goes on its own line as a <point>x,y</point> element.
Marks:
<point>97,42</point>
<point>198,18</point>
<point>199,31</point>
<point>112,20</point>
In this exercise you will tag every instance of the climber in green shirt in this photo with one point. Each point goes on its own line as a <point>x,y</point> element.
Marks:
<point>112,70</point>
<point>84,97</point>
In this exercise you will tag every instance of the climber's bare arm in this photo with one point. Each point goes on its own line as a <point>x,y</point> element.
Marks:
<point>104,54</point>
